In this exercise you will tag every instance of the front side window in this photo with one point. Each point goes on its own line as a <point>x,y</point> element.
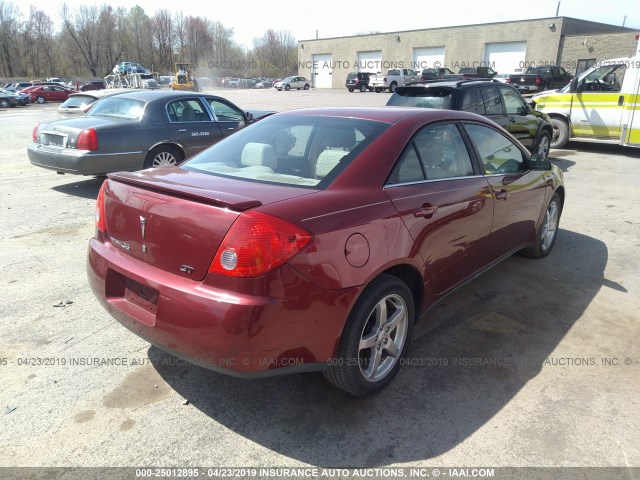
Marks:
<point>498,154</point>
<point>225,112</point>
<point>605,79</point>
<point>513,102</point>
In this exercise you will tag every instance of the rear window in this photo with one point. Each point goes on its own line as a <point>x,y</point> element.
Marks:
<point>127,108</point>
<point>78,101</point>
<point>299,151</point>
<point>352,76</point>
<point>420,97</point>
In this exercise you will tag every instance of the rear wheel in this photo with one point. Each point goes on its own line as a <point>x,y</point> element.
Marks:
<point>375,338</point>
<point>542,146</point>
<point>560,133</point>
<point>4,103</point>
<point>378,90</point>
<point>40,99</point>
<point>306,86</point>
<point>351,90</point>
<point>363,88</point>
<point>162,156</point>
<point>548,230</point>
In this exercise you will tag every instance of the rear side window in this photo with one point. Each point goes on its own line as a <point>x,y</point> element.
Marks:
<point>436,152</point>
<point>471,102</point>
<point>492,101</point>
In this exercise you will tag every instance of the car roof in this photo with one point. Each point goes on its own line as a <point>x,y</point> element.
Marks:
<point>148,95</point>
<point>383,114</point>
<point>451,84</point>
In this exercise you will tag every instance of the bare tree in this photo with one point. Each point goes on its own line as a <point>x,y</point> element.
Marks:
<point>83,27</point>
<point>9,33</point>
<point>163,35</point>
<point>275,53</point>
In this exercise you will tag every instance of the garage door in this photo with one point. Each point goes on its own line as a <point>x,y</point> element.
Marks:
<point>505,57</point>
<point>369,61</point>
<point>427,57</point>
<point>322,71</point>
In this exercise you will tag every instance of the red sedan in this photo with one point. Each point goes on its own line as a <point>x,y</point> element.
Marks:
<point>49,93</point>
<point>313,239</point>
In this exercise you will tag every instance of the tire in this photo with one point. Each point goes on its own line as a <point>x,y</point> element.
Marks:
<point>162,156</point>
<point>40,100</point>
<point>287,88</point>
<point>543,144</point>
<point>4,103</point>
<point>378,89</point>
<point>560,132</point>
<point>351,90</point>
<point>392,87</point>
<point>363,88</point>
<point>548,231</point>
<point>352,370</point>
<point>306,86</point>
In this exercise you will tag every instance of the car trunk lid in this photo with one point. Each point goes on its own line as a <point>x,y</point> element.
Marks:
<point>174,219</point>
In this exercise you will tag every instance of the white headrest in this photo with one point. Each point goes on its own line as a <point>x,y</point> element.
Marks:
<point>258,154</point>
<point>327,161</point>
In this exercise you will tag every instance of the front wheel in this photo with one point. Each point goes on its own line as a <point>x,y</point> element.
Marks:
<point>363,88</point>
<point>378,90</point>
<point>375,338</point>
<point>163,156</point>
<point>287,88</point>
<point>392,87</point>
<point>546,237</point>
<point>4,103</point>
<point>560,133</point>
<point>542,146</point>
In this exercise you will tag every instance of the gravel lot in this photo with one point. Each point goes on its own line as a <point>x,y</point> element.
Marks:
<point>556,385</point>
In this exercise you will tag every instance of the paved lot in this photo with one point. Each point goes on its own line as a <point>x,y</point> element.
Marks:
<point>536,363</point>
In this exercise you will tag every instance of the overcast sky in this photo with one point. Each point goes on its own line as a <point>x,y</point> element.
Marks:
<point>332,18</point>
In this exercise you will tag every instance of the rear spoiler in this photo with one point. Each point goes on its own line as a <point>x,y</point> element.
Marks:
<point>151,180</point>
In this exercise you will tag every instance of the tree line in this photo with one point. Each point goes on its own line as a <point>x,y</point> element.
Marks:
<point>91,40</point>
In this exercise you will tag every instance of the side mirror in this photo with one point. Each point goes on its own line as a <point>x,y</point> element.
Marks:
<point>538,162</point>
<point>574,85</point>
<point>249,116</point>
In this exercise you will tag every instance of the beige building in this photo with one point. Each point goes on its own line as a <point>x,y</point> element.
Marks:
<point>506,47</point>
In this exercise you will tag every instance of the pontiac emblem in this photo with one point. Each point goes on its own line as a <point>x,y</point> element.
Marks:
<point>143,224</point>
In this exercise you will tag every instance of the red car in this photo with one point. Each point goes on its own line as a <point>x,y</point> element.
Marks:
<point>93,85</point>
<point>313,239</point>
<point>48,93</point>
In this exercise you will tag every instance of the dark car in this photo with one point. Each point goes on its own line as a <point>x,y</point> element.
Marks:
<point>495,100</point>
<point>315,238</point>
<point>438,73</point>
<point>8,99</point>
<point>134,130</point>
<point>477,72</point>
<point>93,85</point>
<point>358,81</point>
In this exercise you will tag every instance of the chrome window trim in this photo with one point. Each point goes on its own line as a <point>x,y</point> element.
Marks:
<point>417,182</point>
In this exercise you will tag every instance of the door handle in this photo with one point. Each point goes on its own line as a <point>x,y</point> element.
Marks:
<point>621,100</point>
<point>425,211</point>
<point>182,130</point>
<point>231,128</point>
<point>501,194</point>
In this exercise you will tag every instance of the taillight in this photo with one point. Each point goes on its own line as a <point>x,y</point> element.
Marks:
<point>538,79</point>
<point>385,79</point>
<point>87,140</point>
<point>508,80</point>
<point>256,244</point>
<point>101,220</point>
<point>34,133</point>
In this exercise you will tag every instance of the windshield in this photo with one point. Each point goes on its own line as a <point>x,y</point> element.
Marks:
<point>127,108</point>
<point>301,151</point>
<point>420,97</point>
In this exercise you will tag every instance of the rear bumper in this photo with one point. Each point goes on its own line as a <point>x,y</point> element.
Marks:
<point>277,324</point>
<point>83,162</point>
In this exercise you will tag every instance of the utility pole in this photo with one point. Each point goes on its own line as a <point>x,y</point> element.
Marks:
<point>558,9</point>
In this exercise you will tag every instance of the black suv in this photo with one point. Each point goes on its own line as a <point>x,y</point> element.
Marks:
<point>492,99</point>
<point>358,81</point>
